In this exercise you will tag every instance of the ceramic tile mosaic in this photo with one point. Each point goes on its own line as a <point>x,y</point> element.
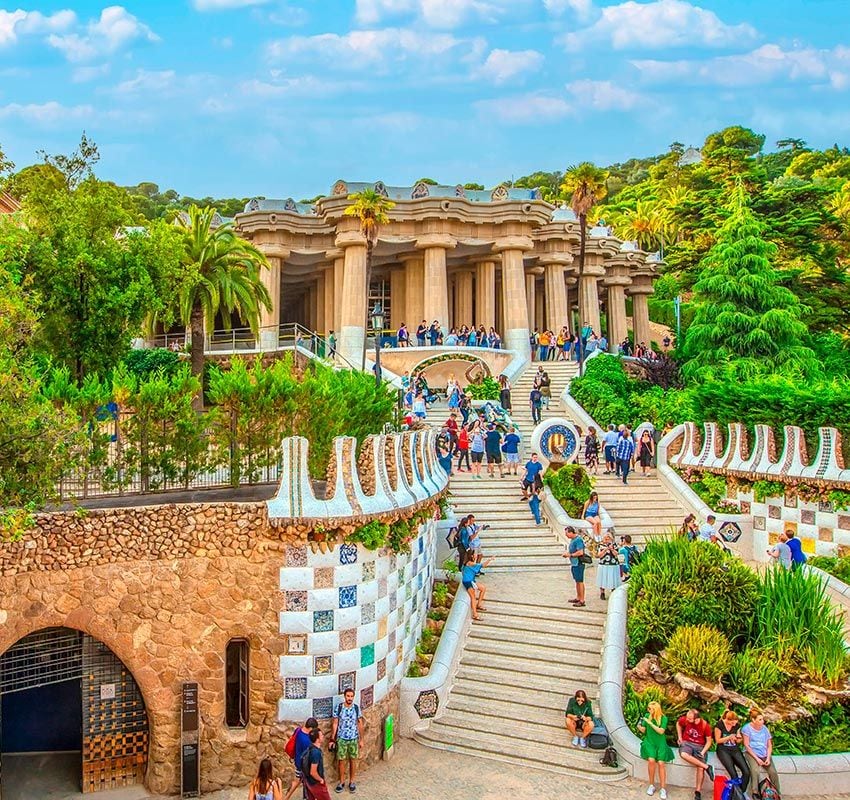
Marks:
<point>323,665</point>
<point>421,544</point>
<point>790,500</point>
<point>323,577</point>
<point>382,585</point>
<point>323,621</point>
<point>426,704</point>
<point>323,707</point>
<point>790,527</point>
<point>382,628</point>
<point>295,688</point>
<point>807,516</point>
<point>825,534</point>
<point>844,522</point>
<point>367,697</point>
<point>296,644</point>
<point>369,571</point>
<point>774,512</point>
<point>367,655</point>
<point>296,600</point>
<point>367,613</point>
<point>391,640</point>
<point>347,596</point>
<point>745,507</point>
<point>825,505</point>
<point>809,545</point>
<point>758,523</point>
<point>382,668</point>
<point>296,556</point>
<point>347,553</point>
<point>419,579</point>
<point>348,639</point>
<point>347,680</point>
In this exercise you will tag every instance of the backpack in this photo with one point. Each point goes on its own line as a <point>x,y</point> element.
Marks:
<point>609,758</point>
<point>732,790</point>
<point>599,739</point>
<point>354,706</point>
<point>768,791</point>
<point>635,555</point>
<point>304,765</point>
<point>453,538</point>
<point>289,748</point>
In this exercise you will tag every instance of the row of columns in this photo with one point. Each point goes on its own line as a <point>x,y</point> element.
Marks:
<point>513,305</point>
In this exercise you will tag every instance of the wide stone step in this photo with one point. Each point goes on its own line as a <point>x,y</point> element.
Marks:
<point>471,690</point>
<point>590,642</point>
<point>510,664</point>
<point>534,611</point>
<point>516,705</point>
<point>489,681</point>
<point>513,751</point>
<point>496,625</point>
<point>526,565</point>
<point>561,653</point>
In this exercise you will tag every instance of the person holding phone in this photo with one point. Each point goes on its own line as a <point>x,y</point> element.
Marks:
<point>579,718</point>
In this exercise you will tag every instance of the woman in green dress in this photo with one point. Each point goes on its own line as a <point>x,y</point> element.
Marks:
<point>654,748</point>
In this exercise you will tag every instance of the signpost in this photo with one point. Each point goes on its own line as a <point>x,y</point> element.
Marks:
<point>190,761</point>
<point>389,736</point>
<point>677,307</point>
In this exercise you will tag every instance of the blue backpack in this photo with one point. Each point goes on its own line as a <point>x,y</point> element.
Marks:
<point>733,790</point>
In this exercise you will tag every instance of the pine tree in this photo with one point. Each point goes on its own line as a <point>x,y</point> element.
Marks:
<point>745,324</point>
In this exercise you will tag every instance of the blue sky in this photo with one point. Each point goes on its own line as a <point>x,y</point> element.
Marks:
<point>282,97</point>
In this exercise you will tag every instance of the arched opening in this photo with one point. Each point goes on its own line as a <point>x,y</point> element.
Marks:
<point>72,717</point>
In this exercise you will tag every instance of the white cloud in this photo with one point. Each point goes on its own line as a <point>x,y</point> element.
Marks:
<point>583,9</point>
<point>148,81</point>
<point>222,5</point>
<point>300,86</point>
<point>604,96</point>
<point>529,109</point>
<point>115,28</point>
<point>372,47</point>
<point>766,64</point>
<point>657,25</point>
<point>86,74</point>
<point>15,23</point>
<point>502,66</point>
<point>46,114</point>
<point>288,16</point>
<point>437,13</point>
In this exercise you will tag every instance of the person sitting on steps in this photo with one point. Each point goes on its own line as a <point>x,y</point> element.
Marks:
<point>579,718</point>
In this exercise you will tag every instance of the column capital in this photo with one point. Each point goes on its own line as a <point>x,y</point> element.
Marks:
<point>334,253</point>
<point>523,243</point>
<point>563,259</point>
<point>637,288</point>
<point>490,258</point>
<point>534,270</point>
<point>273,250</point>
<point>350,238</point>
<point>442,240</point>
<point>617,280</point>
<point>592,271</point>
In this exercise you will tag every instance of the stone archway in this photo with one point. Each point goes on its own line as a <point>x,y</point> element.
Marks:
<point>72,716</point>
<point>438,368</point>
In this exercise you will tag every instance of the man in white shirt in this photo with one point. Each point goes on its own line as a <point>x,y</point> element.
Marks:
<point>707,529</point>
<point>610,449</point>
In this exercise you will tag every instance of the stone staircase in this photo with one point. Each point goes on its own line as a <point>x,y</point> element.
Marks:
<point>560,373</point>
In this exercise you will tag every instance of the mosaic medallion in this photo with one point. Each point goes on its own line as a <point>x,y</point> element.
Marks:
<point>367,697</point>
<point>558,443</point>
<point>368,570</point>
<point>295,688</point>
<point>296,556</point>
<point>347,596</point>
<point>348,554</point>
<point>296,600</point>
<point>730,531</point>
<point>323,707</point>
<point>367,613</point>
<point>347,680</point>
<point>348,639</point>
<point>426,704</point>
<point>323,665</point>
<point>323,621</point>
<point>367,655</point>
<point>323,578</point>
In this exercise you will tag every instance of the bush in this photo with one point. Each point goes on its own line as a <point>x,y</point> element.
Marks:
<point>373,535</point>
<point>839,567</point>
<point>678,582</point>
<point>570,486</point>
<point>487,389</point>
<point>755,673</point>
<point>700,651</point>
<point>827,732</point>
<point>143,363</point>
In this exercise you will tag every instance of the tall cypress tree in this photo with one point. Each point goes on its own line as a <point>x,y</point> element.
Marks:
<point>745,325</point>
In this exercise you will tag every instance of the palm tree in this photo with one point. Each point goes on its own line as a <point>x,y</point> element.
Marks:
<point>645,224</point>
<point>372,210</point>
<point>584,184</point>
<point>220,272</point>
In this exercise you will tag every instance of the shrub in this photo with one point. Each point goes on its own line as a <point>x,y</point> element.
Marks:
<point>487,389</point>
<point>827,732</point>
<point>698,650</point>
<point>570,486</point>
<point>796,622</point>
<point>635,704</point>
<point>839,567</point>
<point>755,673</point>
<point>440,594</point>
<point>764,489</point>
<point>687,583</point>
<point>373,535</point>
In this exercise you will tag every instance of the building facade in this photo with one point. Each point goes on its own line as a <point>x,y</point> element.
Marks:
<point>502,258</point>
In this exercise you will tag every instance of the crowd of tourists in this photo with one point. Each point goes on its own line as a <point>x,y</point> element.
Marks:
<point>433,335</point>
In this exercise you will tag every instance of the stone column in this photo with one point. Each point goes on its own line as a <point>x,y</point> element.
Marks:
<point>640,291</point>
<point>463,299</point>
<point>617,328</point>
<point>588,293</point>
<point>540,307</point>
<point>568,294</point>
<point>312,307</point>
<point>514,301</point>
<point>485,294</point>
<point>500,309</point>
<point>321,288</point>
<point>352,333</point>
<point>330,293</point>
<point>436,286</point>
<point>270,320</point>
<point>398,306</point>
<point>531,298</point>
<point>557,307</point>
<point>414,283</point>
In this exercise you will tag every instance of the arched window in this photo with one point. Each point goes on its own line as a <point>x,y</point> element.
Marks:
<point>236,683</point>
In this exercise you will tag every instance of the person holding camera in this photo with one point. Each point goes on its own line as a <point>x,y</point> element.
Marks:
<point>578,560</point>
<point>579,716</point>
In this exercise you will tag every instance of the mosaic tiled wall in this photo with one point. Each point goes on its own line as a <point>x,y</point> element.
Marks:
<point>821,530</point>
<point>352,618</point>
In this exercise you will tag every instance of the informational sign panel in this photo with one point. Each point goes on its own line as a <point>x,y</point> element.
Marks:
<point>190,757</point>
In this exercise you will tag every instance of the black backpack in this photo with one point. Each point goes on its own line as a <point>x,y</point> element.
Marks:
<point>635,555</point>
<point>453,538</point>
<point>304,763</point>
<point>609,758</point>
<point>599,739</point>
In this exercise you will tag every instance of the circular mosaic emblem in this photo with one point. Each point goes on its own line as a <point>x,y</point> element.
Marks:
<point>556,440</point>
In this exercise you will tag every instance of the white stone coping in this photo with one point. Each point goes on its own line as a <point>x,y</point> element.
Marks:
<point>443,667</point>
<point>799,776</point>
<point>836,584</point>
<point>559,519</point>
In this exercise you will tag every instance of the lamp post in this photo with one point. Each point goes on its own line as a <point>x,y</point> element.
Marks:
<point>377,316</point>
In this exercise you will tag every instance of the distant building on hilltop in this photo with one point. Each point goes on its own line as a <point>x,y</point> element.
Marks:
<point>691,155</point>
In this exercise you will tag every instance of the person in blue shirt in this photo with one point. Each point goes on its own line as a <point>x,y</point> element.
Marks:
<point>625,451</point>
<point>575,550</point>
<point>475,589</point>
<point>510,447</point>
<point>531,480</point>
<point>798,557</point>
<point>534,505</point>
<point>469,536</point>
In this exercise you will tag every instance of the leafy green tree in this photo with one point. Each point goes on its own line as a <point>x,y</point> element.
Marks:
<point>729,153</point>
<point>218,272</point>
<point>429,181</point>
<point>6,165</point>
<point>479,187</point>
<point>745,324</point>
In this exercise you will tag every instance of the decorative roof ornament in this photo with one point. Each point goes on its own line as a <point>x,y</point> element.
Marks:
<point>340,188</point>
<point>289,205</point>
<point>536,194</point>
<point>254,205</point>
<point>419,191</point>
<point>499,193</point>
<point>460,191</point>
<point>381,189</point>
<point>216,220</point>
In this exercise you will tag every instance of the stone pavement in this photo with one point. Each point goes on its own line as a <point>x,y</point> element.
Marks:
<point>421,773</point>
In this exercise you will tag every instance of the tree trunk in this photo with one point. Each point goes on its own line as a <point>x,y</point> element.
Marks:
<point>197,329</point>
<point>582,221</point>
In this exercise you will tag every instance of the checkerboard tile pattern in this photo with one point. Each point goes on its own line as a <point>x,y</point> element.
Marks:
<point>358,614</point>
